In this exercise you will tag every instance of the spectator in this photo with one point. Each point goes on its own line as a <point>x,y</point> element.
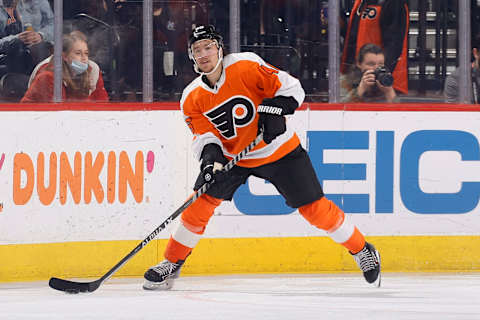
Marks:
<point>451,89</point>
<point>26,34</point>
<point>82,79</point>
<point>384,23</point>
<point>95,8</point>
<point>39,14</point>
<point>369,80</point>
<point>173,21</point>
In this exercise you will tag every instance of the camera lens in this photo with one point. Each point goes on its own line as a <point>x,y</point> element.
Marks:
<point>384,76</point>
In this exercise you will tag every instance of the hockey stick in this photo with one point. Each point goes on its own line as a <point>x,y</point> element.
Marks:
<point>76,287</point>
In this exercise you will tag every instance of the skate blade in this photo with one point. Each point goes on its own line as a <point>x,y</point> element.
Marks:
<point>378,282</point>
<point>160,286</point>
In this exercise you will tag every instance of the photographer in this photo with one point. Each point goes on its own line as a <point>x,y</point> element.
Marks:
<point>369,80</point>
<point>386,24</point>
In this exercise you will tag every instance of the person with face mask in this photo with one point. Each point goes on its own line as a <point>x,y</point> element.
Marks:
<point>82,79</point>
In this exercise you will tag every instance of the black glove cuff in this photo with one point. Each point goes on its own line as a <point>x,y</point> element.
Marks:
<point>211,153</point>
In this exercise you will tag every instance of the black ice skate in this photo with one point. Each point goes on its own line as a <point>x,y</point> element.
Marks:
<point>368,259</point>
<point>161,276</point>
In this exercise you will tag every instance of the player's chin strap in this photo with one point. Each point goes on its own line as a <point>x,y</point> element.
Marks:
<point>220,59</point>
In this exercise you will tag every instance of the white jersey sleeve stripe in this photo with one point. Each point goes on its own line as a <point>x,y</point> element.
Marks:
<point>201,141</point>
<point>291,87</point>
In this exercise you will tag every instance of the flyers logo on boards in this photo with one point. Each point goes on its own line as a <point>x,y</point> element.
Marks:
<point>107,177</point>
<point>238,111</point>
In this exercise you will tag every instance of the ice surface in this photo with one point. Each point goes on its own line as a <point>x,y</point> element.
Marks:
<point>346,296</point>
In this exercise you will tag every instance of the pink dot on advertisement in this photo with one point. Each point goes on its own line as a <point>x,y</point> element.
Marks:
<point>150,161</point>
<point>2,159</point>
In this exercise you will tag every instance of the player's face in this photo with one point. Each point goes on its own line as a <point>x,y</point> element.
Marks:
<point>205,53</point>
<point>371,61</point>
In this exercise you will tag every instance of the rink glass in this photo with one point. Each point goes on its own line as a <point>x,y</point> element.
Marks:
<point>291,35</point>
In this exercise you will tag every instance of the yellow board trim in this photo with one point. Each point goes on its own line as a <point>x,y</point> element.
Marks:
<point>31,262</point>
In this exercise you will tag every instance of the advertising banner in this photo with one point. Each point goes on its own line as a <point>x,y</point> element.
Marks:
<point>116,175</point>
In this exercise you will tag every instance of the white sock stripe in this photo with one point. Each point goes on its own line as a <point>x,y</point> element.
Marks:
<point>185,236</point>
<point>343,232</point>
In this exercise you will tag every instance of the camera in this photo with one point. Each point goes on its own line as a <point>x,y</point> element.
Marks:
<point>383,76</point>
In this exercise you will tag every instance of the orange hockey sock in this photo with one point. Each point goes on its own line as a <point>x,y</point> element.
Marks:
<point>176,251</point>
<point>197,215</point>
<point>356,242</point>
<point>191,227</point>
<point>326,215</point>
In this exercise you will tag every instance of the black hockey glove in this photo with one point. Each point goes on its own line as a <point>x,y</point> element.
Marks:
<point>271,116</point>
<point>211,166</point>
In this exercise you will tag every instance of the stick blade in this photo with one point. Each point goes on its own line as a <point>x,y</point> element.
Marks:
<point>73,286</point>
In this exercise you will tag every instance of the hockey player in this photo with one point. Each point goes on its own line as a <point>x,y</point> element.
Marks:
<point>235,96</point>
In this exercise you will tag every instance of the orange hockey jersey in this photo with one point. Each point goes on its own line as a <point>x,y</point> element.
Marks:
<point>227,114</point>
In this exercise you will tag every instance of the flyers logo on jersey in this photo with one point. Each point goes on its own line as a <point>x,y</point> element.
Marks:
<point>369,13</point>
<point>236,112</point>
